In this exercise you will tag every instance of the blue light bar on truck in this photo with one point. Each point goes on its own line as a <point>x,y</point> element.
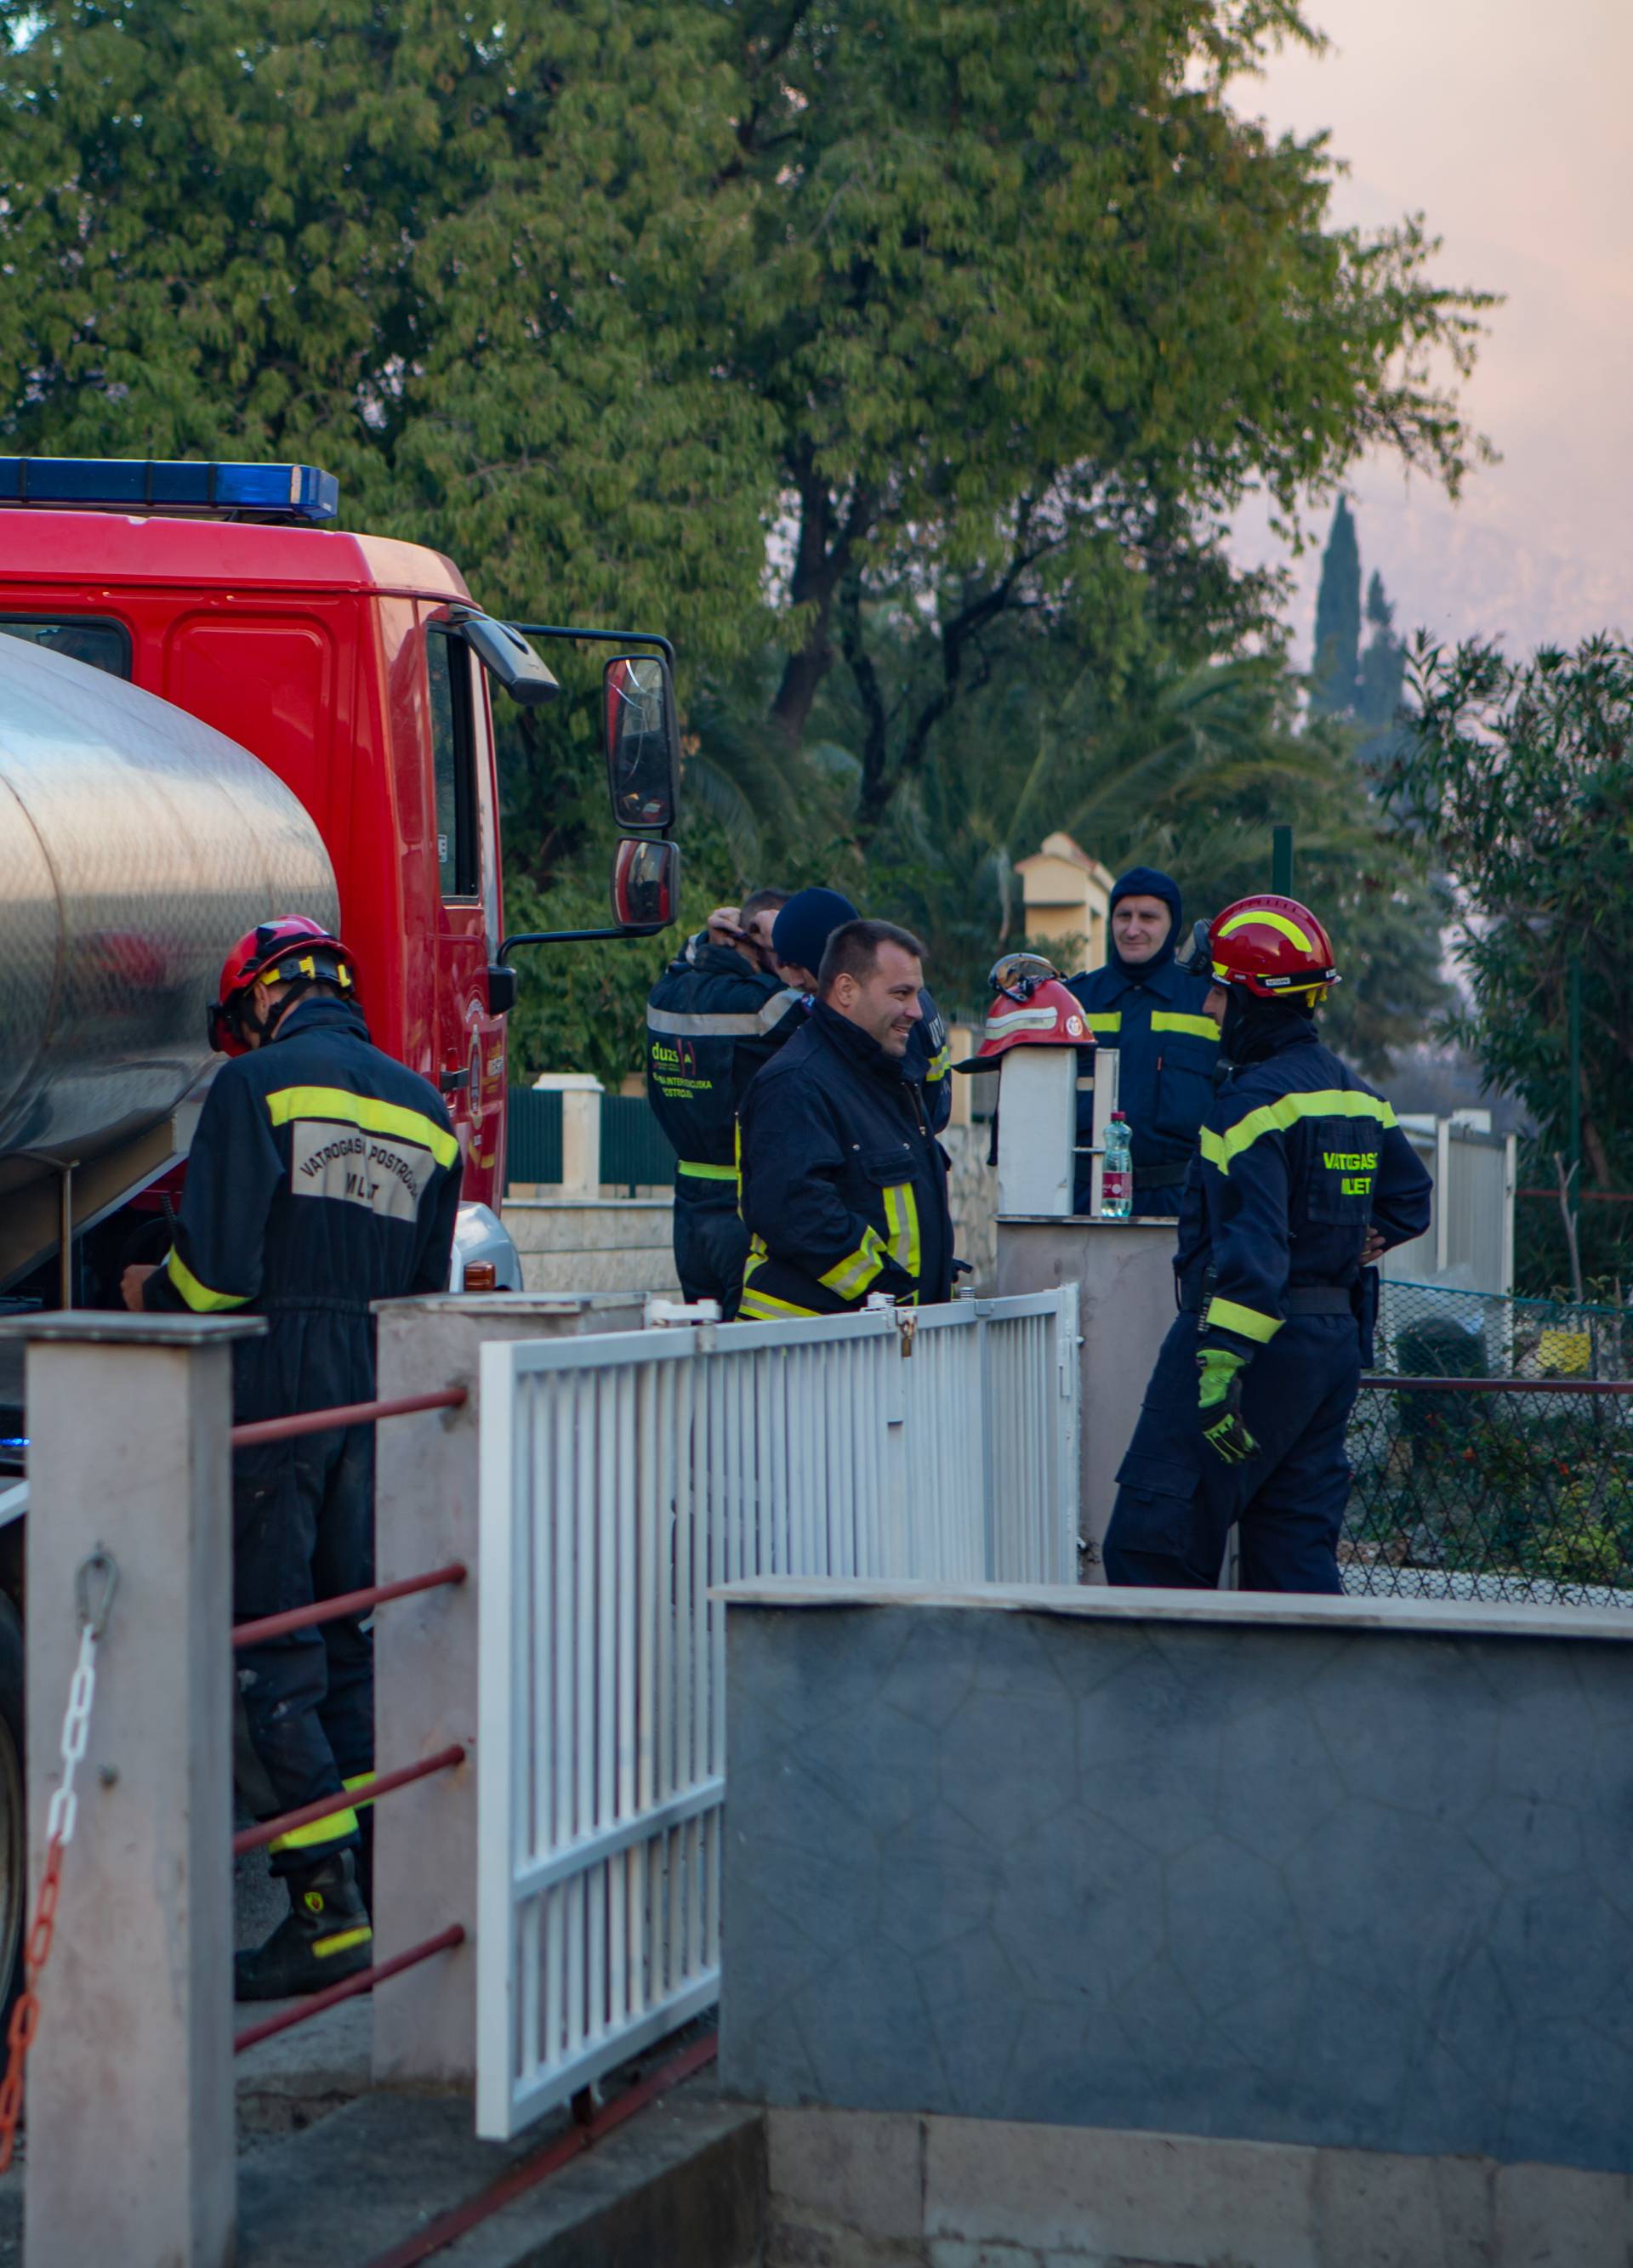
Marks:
<point>290,492</point>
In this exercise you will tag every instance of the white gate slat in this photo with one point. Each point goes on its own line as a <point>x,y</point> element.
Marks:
<point>621,1478</point>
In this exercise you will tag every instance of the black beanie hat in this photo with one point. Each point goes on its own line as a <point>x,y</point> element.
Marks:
<point>801,929</point>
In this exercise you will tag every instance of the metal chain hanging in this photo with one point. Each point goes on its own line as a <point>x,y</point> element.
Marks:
<point>97,1580</point>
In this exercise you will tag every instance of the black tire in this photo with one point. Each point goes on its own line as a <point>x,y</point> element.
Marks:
<point>13,1807</point>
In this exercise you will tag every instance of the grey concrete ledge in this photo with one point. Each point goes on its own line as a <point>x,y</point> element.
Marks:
<point>108,1327</point>
<point>509,1304</point>
<point>1242,1609</point>
<point>589,1204</point>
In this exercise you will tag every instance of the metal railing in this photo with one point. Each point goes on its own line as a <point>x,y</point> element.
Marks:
<point>625,1476</point>
<point>381,1784</point>
<point>1508,1489</point>
<point>635,1151</point>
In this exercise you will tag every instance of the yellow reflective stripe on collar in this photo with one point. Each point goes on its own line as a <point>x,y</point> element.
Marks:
<point>1276,1117</point>
<point>199,1296</point>
<point>332,1829</point>
<point>1247,1323</point>
<point>340,1105</point>
<point>706,1173</point>
<point>1104,1019</point>
<point>851,1277</point>
<point>1170,1020</point>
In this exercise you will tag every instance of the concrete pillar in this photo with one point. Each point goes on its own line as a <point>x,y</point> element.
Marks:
<point>1124,1272</point>
<point>426,1512</point>
<point>131,2151</point>
<point>1037,1130</point>
<point>580,1130</point>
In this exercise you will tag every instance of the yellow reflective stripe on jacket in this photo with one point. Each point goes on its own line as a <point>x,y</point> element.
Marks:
<point>901,1214</point>
<point>1104,1019</point>
<point>851,1277</point>
<point>939,1065</point>
<point>1276,1117</point>
<point>761,1304</point>
<point>342,1941</point>
<point>367,1111</point>
<point>1247,1323</point>
<point>356,1781</point>
<point>331,1829</point>
<point>706,1173</point>
<point>1169,1020</point>
<point>199,1296</point>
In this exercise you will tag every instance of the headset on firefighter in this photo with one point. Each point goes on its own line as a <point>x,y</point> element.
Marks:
<point>291,949</point>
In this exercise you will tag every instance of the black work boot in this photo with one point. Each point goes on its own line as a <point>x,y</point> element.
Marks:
<point>325,1936</point>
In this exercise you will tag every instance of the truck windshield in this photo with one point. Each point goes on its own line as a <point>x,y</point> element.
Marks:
<point>81,637</point>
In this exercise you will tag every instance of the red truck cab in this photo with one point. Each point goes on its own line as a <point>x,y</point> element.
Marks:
<point>356,668</point>
<point>336,659</point>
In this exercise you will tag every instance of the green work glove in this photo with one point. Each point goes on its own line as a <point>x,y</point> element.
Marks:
<point>1219,1402</point>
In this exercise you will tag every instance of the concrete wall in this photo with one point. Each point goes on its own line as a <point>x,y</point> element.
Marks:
<point>595,1244</point>
<point>853,2189</point>
<point>1338,1874</point>
<point>972,1192</point>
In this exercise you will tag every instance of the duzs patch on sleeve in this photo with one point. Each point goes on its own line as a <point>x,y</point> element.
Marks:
<point>381,1171</point>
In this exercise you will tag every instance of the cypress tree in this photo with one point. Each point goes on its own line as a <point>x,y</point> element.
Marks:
<point>1334,678</point>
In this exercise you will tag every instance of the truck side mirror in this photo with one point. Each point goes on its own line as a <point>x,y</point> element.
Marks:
<point>642,741</point>
<point>645,884</point>
<point>506,655</point>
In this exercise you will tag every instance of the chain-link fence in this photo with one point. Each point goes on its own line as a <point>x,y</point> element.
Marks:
<point>1491,1451</point>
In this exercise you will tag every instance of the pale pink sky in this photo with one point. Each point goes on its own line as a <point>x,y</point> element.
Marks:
<point>1506,123</point>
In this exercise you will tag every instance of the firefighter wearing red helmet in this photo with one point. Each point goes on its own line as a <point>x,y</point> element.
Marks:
<point>323,1175</point>
<point>1302,1179</point>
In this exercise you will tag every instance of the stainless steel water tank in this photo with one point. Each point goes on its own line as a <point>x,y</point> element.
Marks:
<point>135,844</point>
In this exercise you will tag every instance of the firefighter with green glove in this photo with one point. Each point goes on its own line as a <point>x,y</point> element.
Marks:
<point>1302,1181</point>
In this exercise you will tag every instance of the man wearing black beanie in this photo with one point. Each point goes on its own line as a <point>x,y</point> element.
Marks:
<point>1151,1011</point>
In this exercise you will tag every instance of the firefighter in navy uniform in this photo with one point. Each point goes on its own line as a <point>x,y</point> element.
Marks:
<point>323,1175</point>
<point>713,1019</point>
<point>1151,1009</point>
<point>1302,1181</point>
<point>844,1182</point>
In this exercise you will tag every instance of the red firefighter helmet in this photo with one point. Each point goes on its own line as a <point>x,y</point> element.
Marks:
<point>1271,946</point>
<point>1032,1007</point>
<point>292,949</point>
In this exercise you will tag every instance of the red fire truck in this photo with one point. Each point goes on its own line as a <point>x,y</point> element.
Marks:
<point>211,697</point>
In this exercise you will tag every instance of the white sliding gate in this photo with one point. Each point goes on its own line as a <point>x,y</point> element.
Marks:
<point>623,1475</point>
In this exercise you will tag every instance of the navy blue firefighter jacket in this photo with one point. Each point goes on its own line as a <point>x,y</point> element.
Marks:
<point>712,1021</point>
<point>844,1184</point>
<point>323,1175</point>
<point>1167,1059</point>
<point>1298,1159</point>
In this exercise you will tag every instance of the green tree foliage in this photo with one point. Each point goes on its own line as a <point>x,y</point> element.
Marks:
<point>985,316</point>
<point>1520,776</point>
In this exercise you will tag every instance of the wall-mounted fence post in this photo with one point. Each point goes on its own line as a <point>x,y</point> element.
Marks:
<point>426,1509</point>
<point>129,2104</point>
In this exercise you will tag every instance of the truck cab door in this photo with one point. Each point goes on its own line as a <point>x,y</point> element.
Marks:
<point>469,1041</point>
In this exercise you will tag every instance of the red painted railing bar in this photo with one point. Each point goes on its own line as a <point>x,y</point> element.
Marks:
<point>1500,1384</point>
<point>449,2227</point>
<point>348,1602</point>
<point>344,1413</point>
<point>365,1981</point>
<point>252,1838</point>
